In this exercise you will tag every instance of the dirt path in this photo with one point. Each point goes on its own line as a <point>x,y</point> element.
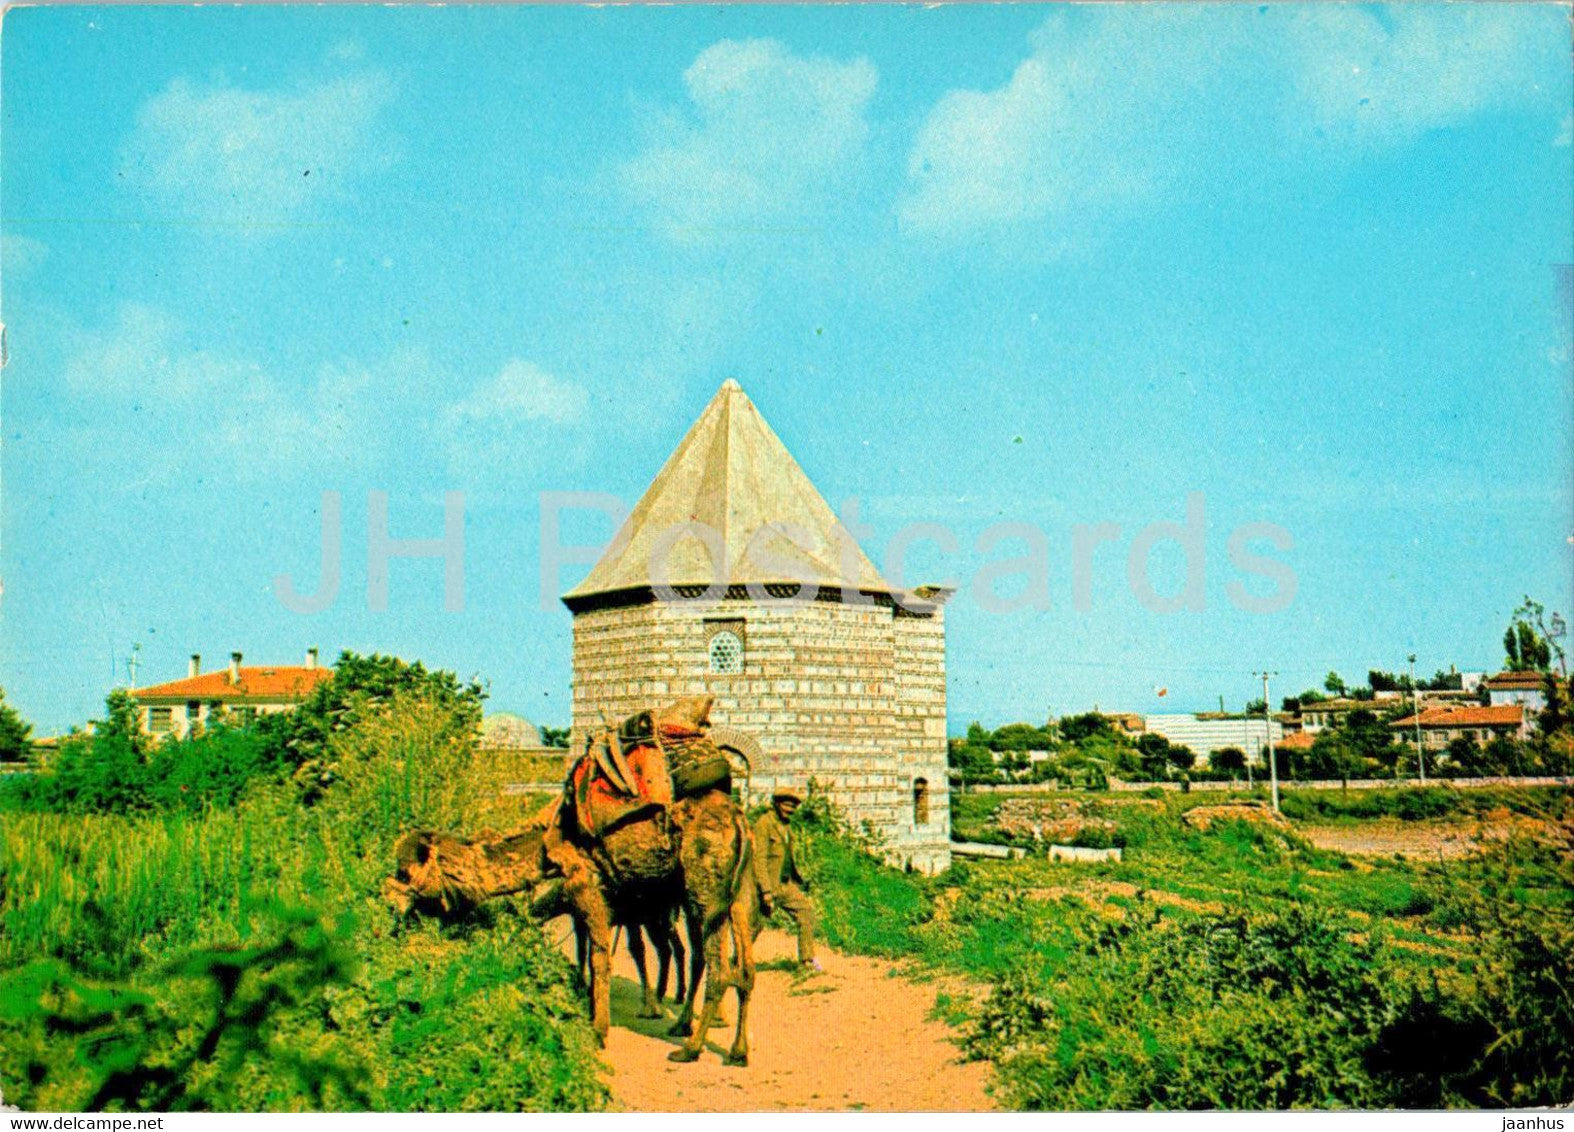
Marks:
<point>857,1036</point>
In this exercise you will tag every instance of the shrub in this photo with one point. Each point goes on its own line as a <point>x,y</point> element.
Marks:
<point>137,967</point>
<point>1216,1012</point>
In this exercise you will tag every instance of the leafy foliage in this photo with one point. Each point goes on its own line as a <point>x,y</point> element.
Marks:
<point>230,1024</point>
<point>15,732</point>
<point>363,688</point>
<point>138,966</point>
<point>1238,967</point>
<point>1527,645</point>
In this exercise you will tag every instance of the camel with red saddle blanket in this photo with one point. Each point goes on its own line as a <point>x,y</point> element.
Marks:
<point>646,825</point>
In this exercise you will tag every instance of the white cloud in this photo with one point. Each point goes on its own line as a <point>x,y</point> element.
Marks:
<point>1115,106</point>
<point>767,137</point>
<point>257,156</point>
<point>20,256</point>
<point>508,416</point>
<point>154,390</point>
<point>522,391</point>
<point>146,356</point>
<point>1379,76</point>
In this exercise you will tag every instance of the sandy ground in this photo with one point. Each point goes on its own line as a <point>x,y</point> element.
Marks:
<point>857,1036</point>
<point>1420,840</point>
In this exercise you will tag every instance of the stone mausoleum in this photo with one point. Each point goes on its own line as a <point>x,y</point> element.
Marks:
<point>732,577</point>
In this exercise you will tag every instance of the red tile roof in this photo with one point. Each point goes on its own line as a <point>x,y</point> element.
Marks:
<point>1516,681</point>
<point>274,682</point>
<point>1502,715</point>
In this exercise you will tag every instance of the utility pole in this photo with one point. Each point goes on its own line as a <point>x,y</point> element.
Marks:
<point>1267,727</point>
<point>132,661</point>
<point>1246,743</point>
<point>1415,706</point>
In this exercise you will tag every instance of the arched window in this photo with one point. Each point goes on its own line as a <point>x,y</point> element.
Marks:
<point>920,801</point>
<point>726,653</point>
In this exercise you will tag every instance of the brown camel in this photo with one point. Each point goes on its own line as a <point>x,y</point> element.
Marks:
<point>446,876</point>
<point>616,849</point>
<point>636,870</point>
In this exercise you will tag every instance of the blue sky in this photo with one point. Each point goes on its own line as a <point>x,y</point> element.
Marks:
<point>975,264</point>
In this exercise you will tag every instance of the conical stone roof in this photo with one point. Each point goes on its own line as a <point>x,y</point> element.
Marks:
<point>730,486</point>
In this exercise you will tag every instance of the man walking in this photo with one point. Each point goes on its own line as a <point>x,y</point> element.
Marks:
<point>777,872</point>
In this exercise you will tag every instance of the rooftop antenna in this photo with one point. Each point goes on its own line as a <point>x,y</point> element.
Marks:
<point>133,661</point>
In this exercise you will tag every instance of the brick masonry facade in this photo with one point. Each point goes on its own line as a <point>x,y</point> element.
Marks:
<point>851,696</point>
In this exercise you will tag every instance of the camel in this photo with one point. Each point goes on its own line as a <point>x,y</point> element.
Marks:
<point>636,858</point>
<point>630,873</point>
<point>617,849</point>
<point>446,876</point>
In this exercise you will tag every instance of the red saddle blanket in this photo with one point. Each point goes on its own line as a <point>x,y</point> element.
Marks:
<point>601,803</point>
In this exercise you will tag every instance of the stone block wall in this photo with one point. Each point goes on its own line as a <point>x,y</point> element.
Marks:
<point>851,696</point>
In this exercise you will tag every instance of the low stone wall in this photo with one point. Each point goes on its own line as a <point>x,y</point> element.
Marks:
<point>1118,787</point>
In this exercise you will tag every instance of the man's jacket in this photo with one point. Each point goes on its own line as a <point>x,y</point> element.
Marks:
<point>773,858</point>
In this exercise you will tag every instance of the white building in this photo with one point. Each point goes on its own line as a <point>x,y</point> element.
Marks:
<point>1204,735</point>
<point>1528,689</point>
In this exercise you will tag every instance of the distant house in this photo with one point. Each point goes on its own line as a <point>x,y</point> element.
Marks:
<point>1210,731</point>
<point>239,693</point>
<point>1480,725</point>
<point>1296,741</point>
<point>1128,722</point>
<point>1525,688</point>
<point>1330,713</point>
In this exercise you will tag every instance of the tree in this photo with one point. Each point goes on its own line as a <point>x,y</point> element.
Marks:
<point>1181,757</point>
<point>1079,728</point>
<point>1367,734</point>
<point>1332,755</point>
<point>1021,737</point>
<point>1256,707</point>
<point>1335,684</point>
<point>1555,716</point>
<point>1153,753</point>
<point>1381,681</point>
<point>972,761</point>
<point>363,686</point>
<point>1527,645</point>
<point>1228,760</point>
<point>15,745</point>
<point>554,736</point>
<point>1464,754</point>
<point>1506,755</point>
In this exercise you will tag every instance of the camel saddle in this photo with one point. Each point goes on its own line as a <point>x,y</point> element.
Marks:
<point>640,767</point>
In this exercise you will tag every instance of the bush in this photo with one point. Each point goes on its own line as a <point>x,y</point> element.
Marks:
<point>139,966</point>
<point>1217,1012</point>
<point>1499,1038</point>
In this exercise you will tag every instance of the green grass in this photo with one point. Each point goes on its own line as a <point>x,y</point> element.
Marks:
<point>1109,988</point>
<point>116,933</point>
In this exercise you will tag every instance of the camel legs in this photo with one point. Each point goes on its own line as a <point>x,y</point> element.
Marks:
<point>675,947</point>
<point>668,943</point>
<point>684,1026</point>
<point>650,1009</point>
<point>661,940</point>
<point>715,987</point>
<point>742,977</point>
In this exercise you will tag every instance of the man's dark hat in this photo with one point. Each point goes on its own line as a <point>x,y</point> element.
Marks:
<point>786,795</point>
